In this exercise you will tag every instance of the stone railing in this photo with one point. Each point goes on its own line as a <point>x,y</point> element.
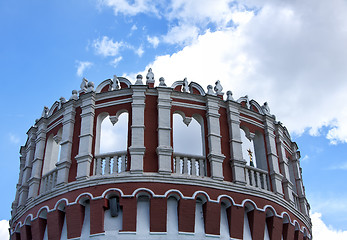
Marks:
<point>296,201</point>
<point>256,177</point>
<point>49,181</point>
<point>110,163</point>
<point>189,164</point>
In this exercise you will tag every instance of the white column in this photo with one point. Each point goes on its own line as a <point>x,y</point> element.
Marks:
<point>34,180</point>
<point>215,155</point>
<point>164,149</point>
<point>287,184</point>
<point>137,148</point>
<point>84,157</point>
<point>274,170</point>
<point>64,163</point>
<point>237,162</point>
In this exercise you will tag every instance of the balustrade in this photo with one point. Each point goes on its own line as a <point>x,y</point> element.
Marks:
<point>110,163</point>
<point>256,177</point>
<point>49,181</point>
<point>187,164</point>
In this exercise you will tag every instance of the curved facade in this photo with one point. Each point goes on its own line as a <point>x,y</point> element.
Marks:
<point>232,173</point>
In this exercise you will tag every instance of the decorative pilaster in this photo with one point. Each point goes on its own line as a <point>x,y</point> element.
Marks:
<point>299,183</point>
<point>237,162</point>
<point>274,170</point>
<point>34,180</point>
<point>287,184</point>
<point>215,155</point>
<point>85,157</point>
<point>63,165</point>
<point>137,148</point>
<point>19,184</point>
<point>164,149</point>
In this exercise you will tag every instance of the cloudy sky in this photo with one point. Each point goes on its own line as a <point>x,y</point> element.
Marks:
<point>291,54</point>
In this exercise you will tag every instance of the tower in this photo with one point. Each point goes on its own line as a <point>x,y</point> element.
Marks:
<point>245,183</point>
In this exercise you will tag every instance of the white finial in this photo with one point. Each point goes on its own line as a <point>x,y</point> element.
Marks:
<point>266,108</point>
<point>61,101</point>
<point>74,95</point>
<point>210,90</point>
<point>218,88</point>
<point>90,87</point>
<point>229,96</point>
<point>45,112</point>
<point>84,85</point>
<point>150,76</point>
<point>139,80</point>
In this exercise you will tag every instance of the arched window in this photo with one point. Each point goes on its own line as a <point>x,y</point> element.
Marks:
<point>248,151</point>
<point>112,132</point>
<point>52,152</point>
<point>143,217</point>
<point>172,216</point>
<point>199,216</point>
<point>224,221</point>
<point>188,145</point>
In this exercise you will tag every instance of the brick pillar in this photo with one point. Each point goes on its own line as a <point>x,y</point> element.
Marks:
<point>38,227</point>
<point>16,236</point>
<point>64,162</point>
<point>164,149</point>
<point>274,169</point>
<point>237,162</point>
<point>212,217</point>
<point>186,215</point>
<point>137,148</point>
<point>235,220</point>
<point>84,157</point>
<point>298,235</point>
<point>25,232</point>
<point>35,178</point>
<point>55,222</point>
<point>97,213</point>
<point>256,221</point>
<point>158,211</point>
<point>129,214</point>
<point>74,220</point>
<point>274,226</point>
<point>215,155</point>
<point>288,231</point>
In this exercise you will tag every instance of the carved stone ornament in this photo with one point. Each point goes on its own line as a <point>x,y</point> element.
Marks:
<point>113,119</point>
<point>162,82</point>
<point>187,120</point>
<point>61,101</point>
<point>218,87</point>
<point>115,83</point>
<point>84,85</point>
<point>150,76</point>
<point>185,87</point>
<point>248,105</point>
<point>90,87</point>
<point>45,112</point>
<point>57,138</point>
<point>266,108</point>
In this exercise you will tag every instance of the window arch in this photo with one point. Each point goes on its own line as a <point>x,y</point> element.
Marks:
<point>112,132</point>
<point>52,152</point>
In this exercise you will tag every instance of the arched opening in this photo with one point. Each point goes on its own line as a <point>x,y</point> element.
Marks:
<point>188,144</point>
<point>224,220</point>
<point>143,216</point>
<point>172,215</point>
<point>113,217</point>
<point>86,221</point>
<point>199,216</point>
<point>248,151</point>
<point>111,143</point>
<point>247,235</point>
<point>52,152</point>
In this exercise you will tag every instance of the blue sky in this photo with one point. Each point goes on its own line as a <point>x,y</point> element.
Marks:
<point>290,54</point>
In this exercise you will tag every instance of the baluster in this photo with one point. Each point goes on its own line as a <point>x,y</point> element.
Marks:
<point>251,177</point>
<point>266,186</point>
<point>178,164</point>
<point>193,167</point>
<point>123,166</point>
<point>201,167</point>
<point>107,165</point>
<point>114,164</point>
<point>256,177</point>
<point>185,165</point>
<point>54,178</point>
<point>97,166</point>
<point>43,184</point>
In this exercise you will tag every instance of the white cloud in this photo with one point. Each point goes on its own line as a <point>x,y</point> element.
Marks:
<point>126,8</point>
<point>81,66</point>
<point>342,166</point>
<point>4,234</point>
<point>153,40</point>
<point>13,138</point>
<point>321,231</point>
<point>115,61</point>
<point>139,51</point>
<point>183,34</point>
<point>284,54</point>
<point>107,47</point>
<point>134,28</point>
